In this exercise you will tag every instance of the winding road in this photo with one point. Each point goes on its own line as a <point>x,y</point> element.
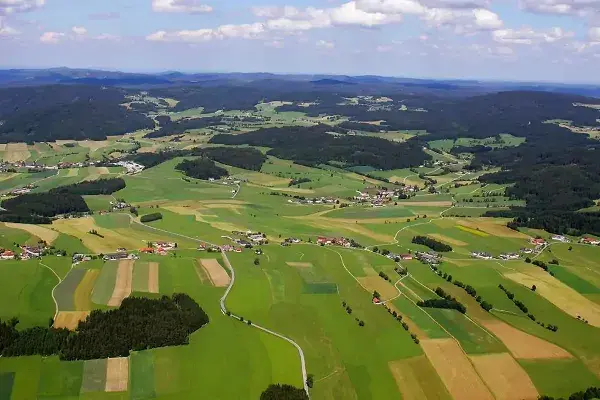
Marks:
<point>224,299</point>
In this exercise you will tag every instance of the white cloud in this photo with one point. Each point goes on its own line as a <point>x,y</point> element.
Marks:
<point>350,14</point>
<point>244,31</point>
<point>6,30</point>
<point>528,36</point>
<point>16,6</point>
<point>79,30</point>
<point>108,36</point>
<point>570,7</point>
<point>180,6</point>
<point>276,12</point>
<point>158,36</point>
<point>594,34</point>
<point>324,44</point>
<point>51,37</point>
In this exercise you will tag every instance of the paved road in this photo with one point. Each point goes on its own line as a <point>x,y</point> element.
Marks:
<point>224,298</point>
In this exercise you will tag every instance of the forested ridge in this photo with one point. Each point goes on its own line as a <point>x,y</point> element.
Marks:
<point>138,324</point>
<point>78,112</point>
<point>322,144</point>
<point>201,168</point>
<point>39,208</point>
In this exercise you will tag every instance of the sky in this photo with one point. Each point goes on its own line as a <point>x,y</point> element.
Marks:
<point>514,40</point>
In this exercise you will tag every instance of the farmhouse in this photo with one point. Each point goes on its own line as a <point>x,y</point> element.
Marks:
<point>538,242</point>
<point>32,251</point>
<point>121,255</point>
<point>592,241</point>
<point>147,250</point>
<point>406,256</point>
<point>527,251</point>
<point>7,255</point>
<point>165,245</point>
<point>430,257</point>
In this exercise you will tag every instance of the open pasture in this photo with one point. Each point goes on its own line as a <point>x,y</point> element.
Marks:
<point>105,283</point>
<point>65,290</point>
<point>418,380</point>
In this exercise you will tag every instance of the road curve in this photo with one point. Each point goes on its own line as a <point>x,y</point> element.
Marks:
<point>224,298</point>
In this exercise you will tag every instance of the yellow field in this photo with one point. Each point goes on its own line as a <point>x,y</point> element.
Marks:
<point>216,273</point>
<point>70,319</point>
<point>83,293</point>
<point>95,173</point>
<point>505,377</point>
<point>377,283</point>
<point>299,264</point>
<point>45,234</point>
<point>72,172</point>
<point>117,374</point>
<point>455,370</point>
<point>342,225</point>
<point>123,283</point>
<point>2,146</point>
<point>472,231</point>
<point>559,294</point>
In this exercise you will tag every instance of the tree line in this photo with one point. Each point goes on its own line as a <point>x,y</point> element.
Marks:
<point>138,324</point>
<point>101,186</point>
<point>446,301</point>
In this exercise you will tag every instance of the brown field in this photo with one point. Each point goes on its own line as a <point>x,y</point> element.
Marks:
<point>417,380</point>
<point>117,374</point>
<point>455,370</point>
<point>523,345</point>
<point>505,377</point>
<point>2,146</point>
<point>93,145</point>
<point>491,227</point>
<point>70,319</point>
<point>83,292</point>
<point>216,273</point>
<point>447,239</point>
<point>16,152</point>
<point>559,294</point>
<point>385,289</point>
<point>299,264</point>
<point>48,235</point>
<point>123,283</point>
<point>153,277</point>
<point>149,149</point>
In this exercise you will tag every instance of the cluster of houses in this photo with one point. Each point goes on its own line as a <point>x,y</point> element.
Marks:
<point>289,241</point>
<point>378,197</point>
<point>341,241</point>
<point>131,167</point>
<point>160,248</point>
<point>315,200</point>
<point>7,254</point>
<point>121,254</point>
<point>482,255</point>
<point>249,238</point>
<point>538,242</point>
<point>429,257</point>
<point>5,166</point>
<point>27,253</point>
<point>561,238</point>
<point>218,249</point>
<point>119,205</point>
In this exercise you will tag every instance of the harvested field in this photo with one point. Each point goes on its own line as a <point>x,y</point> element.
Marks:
<point>94,376</point>
<point>64,292</point>
<point>47,235</point>
<point>299,264</point>
<point>334,223</point>
<point>117,374</point>
<point>369,271</point>
<point>3,147</point>
<point>505,377</point>
<point>447,239</point>
<point>95,173</point>
<point>417,379</point>
<point>491,227</point>
<point>559,294</point>
<point>153,278</point>
<point>385,289</point>
<point>216,273</point>
<point>123,283</point>
<point>83,294</point>
<point>70,319</point>
<point>523,345</point>
<point>94,145</point>
<point>16,152</point>
<point>455,370</point>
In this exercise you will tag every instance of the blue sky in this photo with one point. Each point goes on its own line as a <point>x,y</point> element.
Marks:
<point>532,40</point>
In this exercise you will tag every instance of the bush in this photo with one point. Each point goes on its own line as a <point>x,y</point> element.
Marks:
<point>151,217</point>
<point>283,392</point>
<point>432,244</point>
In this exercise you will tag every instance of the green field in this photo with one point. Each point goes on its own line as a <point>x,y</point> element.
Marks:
<point>105,284</point>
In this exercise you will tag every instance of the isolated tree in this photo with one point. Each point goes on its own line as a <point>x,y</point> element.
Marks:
<point>534,288</point>
<point>256,261</point>
<point>310,380</point>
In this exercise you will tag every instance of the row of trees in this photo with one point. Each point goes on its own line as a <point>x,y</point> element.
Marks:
<point>521,306</point>
<point>432,244</point>
<point>101,186</point>
<point>138,324</point>
<point>151,217</point>
<point>588,394</point>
